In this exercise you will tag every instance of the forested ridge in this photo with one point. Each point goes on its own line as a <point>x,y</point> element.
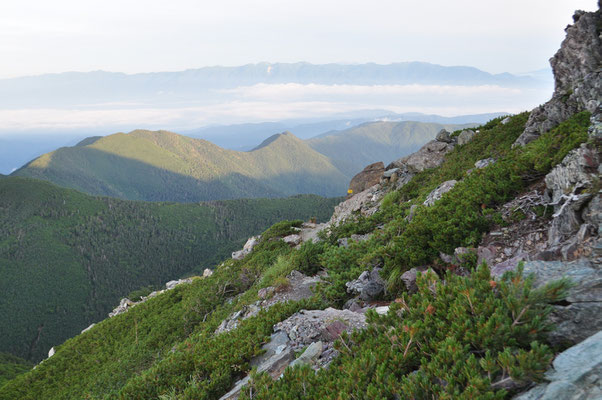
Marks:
<point>66,258</point>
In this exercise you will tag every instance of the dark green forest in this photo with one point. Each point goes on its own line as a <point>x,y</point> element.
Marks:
<point>66,258</point>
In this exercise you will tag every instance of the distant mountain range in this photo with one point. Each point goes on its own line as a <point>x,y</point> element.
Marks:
<point>100,86</point>
<point>165,166</point>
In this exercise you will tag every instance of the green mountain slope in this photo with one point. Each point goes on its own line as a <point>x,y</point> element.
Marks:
<point>456,339</point>
<point>164,166</point>
<point>352,149</point>
<point>11,366</point>
<point>66,258</point>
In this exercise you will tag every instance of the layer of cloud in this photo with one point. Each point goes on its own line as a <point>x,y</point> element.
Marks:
<point>272,102</point>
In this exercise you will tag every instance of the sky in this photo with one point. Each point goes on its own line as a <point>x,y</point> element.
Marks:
<point>41,36</point>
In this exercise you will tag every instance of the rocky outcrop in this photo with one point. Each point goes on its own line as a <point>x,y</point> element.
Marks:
<point>309,326</point>
<point>570,187</point>
<point>439,192</point>
<point>247,248</point>
<point>299,287</point>
<point>579,315</point>
<point>444,136</point>
<point>365,203</point>
<point>369,177</point>
<point>273,361</point>
<point>576,374</point>
<point>369,285</point>
<point>577,74</point>
<point>430,155</point>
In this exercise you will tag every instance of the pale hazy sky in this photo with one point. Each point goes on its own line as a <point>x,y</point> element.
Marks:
<point>41,36</point>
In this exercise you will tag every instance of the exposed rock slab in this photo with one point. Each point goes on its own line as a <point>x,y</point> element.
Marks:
<point>580,318</point>
<point>439,192</point>
<point>576,374</point>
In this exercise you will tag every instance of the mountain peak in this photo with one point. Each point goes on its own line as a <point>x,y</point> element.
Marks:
<point>286,135</point>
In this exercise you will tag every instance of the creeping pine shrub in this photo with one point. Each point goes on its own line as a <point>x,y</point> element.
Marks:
<point>281,229</point>
<point>465,338</point>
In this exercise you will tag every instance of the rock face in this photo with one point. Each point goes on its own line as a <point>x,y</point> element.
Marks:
<point>577,74</point>
<point>369,177</point>
<point>368,285</point>
<point>568,189</point>
<point>576,374</point>
<point>439,192</point>
<point>580,317</point>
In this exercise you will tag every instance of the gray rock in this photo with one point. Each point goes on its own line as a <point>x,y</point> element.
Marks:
<point>509,265</point>
<point>484,163</point>
<point>505,121</point>
<point>576,374</point>
<point>266,293</point>
<point>343,242</point>
<point>273,365</point>
<point>88,328</point>
<point>306,327</point>
<point>172,284</point>
<point>123,306</point>
<point>579,318</point>
<point>310,355</point>
<point>368,285</point>
<point>51,352</point>
<point>207,273</point>
<point>247,248</point>
<point>292,240</point>
<point>466,136</point>
<point>409,279</point>
<point>388,173</point>
<point>430,155</point>
<point>444,136</point>
<point>486,254</point>
<point>566,190</point>
<point>439,192</point>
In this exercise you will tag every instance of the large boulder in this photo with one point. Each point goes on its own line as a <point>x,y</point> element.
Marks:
<point>369,177</point>
<point>431,155</point>
<point>444,136</point>
<point>576,374</point>
<point>577,75</point>
<point>466,136</point>
<point>368,285</point>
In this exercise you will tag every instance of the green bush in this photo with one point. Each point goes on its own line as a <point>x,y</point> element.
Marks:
<point>470,337</point>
